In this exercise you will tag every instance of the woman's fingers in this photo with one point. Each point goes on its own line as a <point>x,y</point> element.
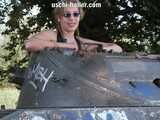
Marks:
<point>113,48</point>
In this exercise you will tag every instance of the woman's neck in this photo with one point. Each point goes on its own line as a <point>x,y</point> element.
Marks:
<point>68,35</point>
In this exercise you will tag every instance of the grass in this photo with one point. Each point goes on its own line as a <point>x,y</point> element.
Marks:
<point>9,97</point>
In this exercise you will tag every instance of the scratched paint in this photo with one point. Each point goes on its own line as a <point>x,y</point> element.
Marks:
<point>109,115</point>
<point>96,115</point>
<point>147,89</point>
<point>134,113</point>
<point>38,118</point>
<point>40,74</point>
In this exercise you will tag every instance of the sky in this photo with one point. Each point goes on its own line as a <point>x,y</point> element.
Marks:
<point>1,37</point>
<point>34,11</point>
<point>2,26</point>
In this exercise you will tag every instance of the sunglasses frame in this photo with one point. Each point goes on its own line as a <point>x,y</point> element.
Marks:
<point>74,14</point>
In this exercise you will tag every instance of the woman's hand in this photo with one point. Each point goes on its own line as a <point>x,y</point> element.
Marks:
<point>111,47</point>
<point>39,41</point>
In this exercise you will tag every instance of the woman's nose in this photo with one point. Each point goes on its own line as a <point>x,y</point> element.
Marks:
<point>71,17</point>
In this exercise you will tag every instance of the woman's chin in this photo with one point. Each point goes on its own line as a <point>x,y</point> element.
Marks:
<point>71,30</point>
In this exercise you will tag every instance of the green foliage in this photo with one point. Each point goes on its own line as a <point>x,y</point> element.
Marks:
<point>135,20</point>
<point>9,97</point>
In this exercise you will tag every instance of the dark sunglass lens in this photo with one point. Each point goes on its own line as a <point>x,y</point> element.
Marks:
<point>67,15</point>
<point>76,14</point>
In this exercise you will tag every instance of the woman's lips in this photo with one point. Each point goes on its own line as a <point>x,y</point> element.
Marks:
<point>72,24</point>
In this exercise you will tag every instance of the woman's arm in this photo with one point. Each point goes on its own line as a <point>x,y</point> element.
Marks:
<point>106,46</point>
<point>112,47</point>
<point>46,39</point>
<point>40,41</point>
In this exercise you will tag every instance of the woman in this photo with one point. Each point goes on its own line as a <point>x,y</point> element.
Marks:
<point>66,34</point>
<point>50,82</point>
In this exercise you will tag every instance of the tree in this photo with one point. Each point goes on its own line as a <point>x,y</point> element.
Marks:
<point>135,20</point>
<point>134,24</point>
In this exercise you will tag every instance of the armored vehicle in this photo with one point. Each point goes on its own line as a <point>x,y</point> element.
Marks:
<point>63,85</point>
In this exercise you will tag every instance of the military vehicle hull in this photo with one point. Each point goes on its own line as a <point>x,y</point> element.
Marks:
<point>108,84</point>
<point>55,79</point>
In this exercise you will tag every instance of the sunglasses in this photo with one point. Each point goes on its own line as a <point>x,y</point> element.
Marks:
<point>68,15</point>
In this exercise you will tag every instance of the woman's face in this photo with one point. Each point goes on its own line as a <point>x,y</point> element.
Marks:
<point>69,21</point>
